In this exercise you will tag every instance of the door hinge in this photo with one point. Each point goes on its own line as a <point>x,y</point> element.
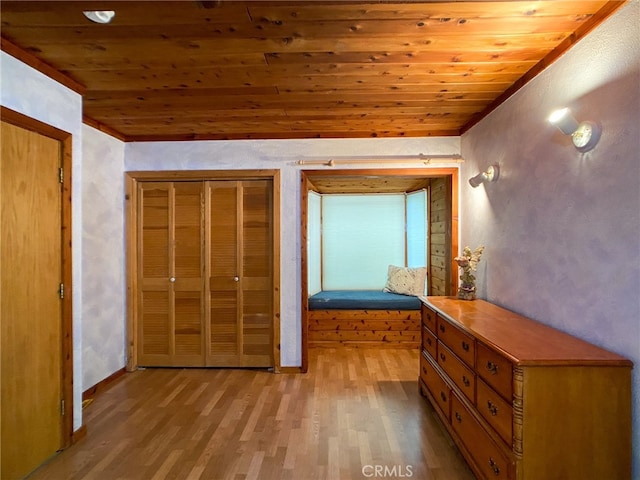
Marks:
<point>62,407</point>
<point>62,290</point>
<point>61,175</point>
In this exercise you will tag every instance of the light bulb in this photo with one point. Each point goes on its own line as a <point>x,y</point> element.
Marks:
<point>563,119</point>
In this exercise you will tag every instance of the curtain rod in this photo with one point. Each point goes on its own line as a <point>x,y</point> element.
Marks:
<point>420,158</point>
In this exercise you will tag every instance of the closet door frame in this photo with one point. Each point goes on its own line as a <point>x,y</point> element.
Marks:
<point>132,179</point>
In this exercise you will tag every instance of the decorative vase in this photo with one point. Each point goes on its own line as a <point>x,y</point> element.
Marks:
<point>468,262</point>
<point>467,292</point>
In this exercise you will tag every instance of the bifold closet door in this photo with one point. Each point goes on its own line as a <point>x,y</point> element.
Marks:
<point>170,274</point>
<point>239,269</point>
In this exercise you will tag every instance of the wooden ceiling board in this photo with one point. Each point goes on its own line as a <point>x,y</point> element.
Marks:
<point>287,69</point>
<point>362,184</point>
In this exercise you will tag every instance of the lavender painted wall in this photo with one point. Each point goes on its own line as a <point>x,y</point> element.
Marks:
<point>283,155</point>
<point>562,228</point>
<point>103,266</point>
<point>31,93</point>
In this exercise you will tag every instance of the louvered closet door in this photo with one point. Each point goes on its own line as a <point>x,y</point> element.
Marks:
<point>239,266</point>
<point>170,230</point>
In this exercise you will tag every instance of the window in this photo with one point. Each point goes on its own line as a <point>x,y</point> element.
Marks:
<point>417,229</point>
<point>352,239</point>
<point>314,258</point>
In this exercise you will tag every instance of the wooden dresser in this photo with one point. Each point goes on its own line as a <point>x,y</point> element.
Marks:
<point>524,401</point>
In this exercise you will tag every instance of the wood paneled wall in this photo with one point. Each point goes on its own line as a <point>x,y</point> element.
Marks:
<point>440,236</point>
<point>364,328</point>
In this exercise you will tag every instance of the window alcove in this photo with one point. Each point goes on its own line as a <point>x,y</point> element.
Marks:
<point>441,185</point>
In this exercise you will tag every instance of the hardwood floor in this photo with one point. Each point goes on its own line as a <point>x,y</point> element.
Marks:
<point>356,414</point>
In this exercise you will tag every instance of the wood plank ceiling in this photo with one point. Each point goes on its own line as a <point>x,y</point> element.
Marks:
<point>177,70</point>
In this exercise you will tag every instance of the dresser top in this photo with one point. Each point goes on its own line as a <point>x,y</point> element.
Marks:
<point>525,341</point>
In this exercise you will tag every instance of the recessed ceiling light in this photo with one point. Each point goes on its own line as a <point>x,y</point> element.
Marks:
<point>100,16</point>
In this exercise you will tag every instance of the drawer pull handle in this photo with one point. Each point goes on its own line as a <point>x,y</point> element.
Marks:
<point>494,466</point>
<point>465,346</point>
<point>492,408</point>
<point>458,417</point>
<point>442,357</point>
<point>466,381</point>
<point>429,341</point>
<point>443,396</point>
<point>492,367</point>
<point>442,328</point>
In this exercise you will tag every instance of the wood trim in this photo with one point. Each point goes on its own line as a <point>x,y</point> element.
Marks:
<point>103,128</point>
<point>428,252</point>
<point>275,205</point>
<point>289,135</point>
<point>131,242</point>
<point>102,385</point>
<point>290,370</point>
<point>66,143</point>
<point>20,120</point>
<point>131,211</point>
<point>79,434</point>
<point>239,263</point>
<point>173,175</point>
<point>451,173</point>
<point>67,276</point>
<point>305,186</point>
<point>44,68</point>
<point>385,172</point>
<point>206,273</point>
<point>550,58</point>
<point>453,270</point>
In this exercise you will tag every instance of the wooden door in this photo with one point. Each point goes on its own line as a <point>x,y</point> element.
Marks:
<point>31,311</point>
<point>239,267</point>
<point>170,274</point>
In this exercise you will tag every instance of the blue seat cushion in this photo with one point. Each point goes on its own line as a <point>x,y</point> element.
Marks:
<point>362,300</point>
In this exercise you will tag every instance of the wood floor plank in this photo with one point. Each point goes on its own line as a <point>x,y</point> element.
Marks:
<point>356,408</point>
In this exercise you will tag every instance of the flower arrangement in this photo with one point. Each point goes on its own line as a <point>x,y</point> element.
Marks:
<point>468,262</point>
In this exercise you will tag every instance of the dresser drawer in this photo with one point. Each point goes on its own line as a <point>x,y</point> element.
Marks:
<point>461,375</point>
<point>497,412</point>
<point>429,342</point>
<point>460,342</point>
<point>429,318</point>
<point>436,385</point>
<point>496,370</point>
<point>488,457</point>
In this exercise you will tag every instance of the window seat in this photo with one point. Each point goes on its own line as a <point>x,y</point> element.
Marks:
<point>363,318</point>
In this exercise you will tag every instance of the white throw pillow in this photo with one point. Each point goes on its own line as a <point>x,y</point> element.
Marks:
<point>406,281</point>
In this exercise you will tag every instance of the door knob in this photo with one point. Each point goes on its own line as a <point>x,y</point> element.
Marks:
<point>172,279</point>
<point>236,279</point>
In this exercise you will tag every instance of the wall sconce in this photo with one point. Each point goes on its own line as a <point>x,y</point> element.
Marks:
<point>100,16</point>
<point>585,135</point>
<point>491,175</point>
